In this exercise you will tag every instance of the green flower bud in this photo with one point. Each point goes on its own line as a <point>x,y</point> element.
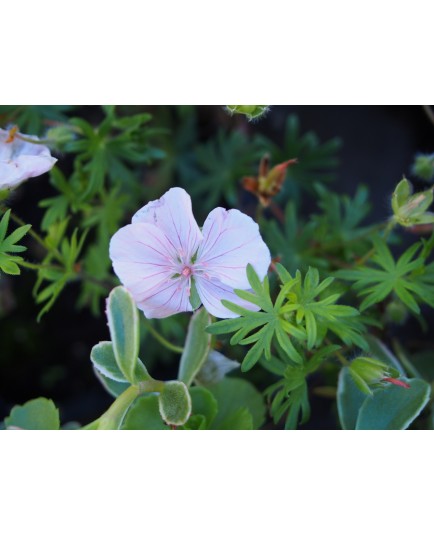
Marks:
<point>396,312</point>
<point>368,372</point>
<point>411,209</point>
<point>250,111</point>
<point>59,136</point>
<point>423,167</point>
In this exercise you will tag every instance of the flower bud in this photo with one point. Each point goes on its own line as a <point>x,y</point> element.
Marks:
<point>368,372</point>
<point>411,209</point>
<point>250,111</point>
<point>423,167</point>
<point>60,135</point>
<point>396,312</point>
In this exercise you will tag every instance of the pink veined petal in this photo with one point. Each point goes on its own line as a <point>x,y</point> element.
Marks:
<point>145,262</point>
<point>169,298</point>
<point>172,213</point>
<point>212,291</point>
<point>231,240</point>
<point>142,258</point>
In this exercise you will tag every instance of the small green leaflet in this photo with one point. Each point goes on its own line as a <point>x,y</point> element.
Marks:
<point>8,244</point>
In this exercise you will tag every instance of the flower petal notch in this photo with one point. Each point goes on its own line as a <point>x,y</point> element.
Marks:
<point>21,157</point>
<point>162,257</point>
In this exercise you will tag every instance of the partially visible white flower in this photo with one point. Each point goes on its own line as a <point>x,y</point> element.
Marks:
<point>20,160</point>
<point>215,369</point>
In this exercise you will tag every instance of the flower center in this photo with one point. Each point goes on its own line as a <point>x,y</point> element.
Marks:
<point>186,271</point>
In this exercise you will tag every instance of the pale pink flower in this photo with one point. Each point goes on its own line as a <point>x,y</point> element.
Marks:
<point>158,255</point>
<point>20,160</point>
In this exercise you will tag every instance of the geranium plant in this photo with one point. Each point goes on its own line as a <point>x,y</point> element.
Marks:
<point>241,322</point>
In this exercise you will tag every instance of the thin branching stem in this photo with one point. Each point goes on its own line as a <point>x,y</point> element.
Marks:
<point>161,339</point>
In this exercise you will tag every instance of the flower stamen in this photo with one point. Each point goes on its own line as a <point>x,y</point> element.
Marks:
<point>11,134</point>
<point>186,271</point>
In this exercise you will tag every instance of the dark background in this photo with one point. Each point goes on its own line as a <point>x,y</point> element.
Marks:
<point>51,358</point>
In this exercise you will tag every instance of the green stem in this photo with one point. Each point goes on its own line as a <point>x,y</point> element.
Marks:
<point>35,235</point>
<point>161,339</point>
<point>344,361</point>
<point>33,266</point>
<point>112,419</point>
<point>151,386</point>
<point>387,231</point>
<point>30,140</point>
<point>406,363</point>
<point>259,212</point>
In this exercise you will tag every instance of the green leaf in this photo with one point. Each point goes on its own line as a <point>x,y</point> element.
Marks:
<point>394,408</point>
<point>203,403</point>
<point>196,348</point>
<point>103,359</point>
<point>408,278</point>
<point>37,414</point>
<point>380,351</point>
<point>8,245</point>
<point>349,400</point>
<point>113,387</point>
<point>195,300</point>
<point>175,403</point>
<point>233,394</point>
<point>33,119</point>
<point>212,170</point>
<point>241,419</point>
<point>123,323</point>
<point>317,161</point>
<point>350,396</point>
<point>144,414</point>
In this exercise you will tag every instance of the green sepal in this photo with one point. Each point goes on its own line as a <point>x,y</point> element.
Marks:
<point>254,111</point>
<point>195,300</point>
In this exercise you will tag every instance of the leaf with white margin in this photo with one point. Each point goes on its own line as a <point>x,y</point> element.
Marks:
<point>175,403</point>
<point>104,360</point>
<point>394,408</point>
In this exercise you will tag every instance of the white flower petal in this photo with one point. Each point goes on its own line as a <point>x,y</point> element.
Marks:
<point>172,213</point>
<point>142,258</point>
<point>231,240</point>
<point>212,291</point>
<point>169,298</point>
<point>21,160</point>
